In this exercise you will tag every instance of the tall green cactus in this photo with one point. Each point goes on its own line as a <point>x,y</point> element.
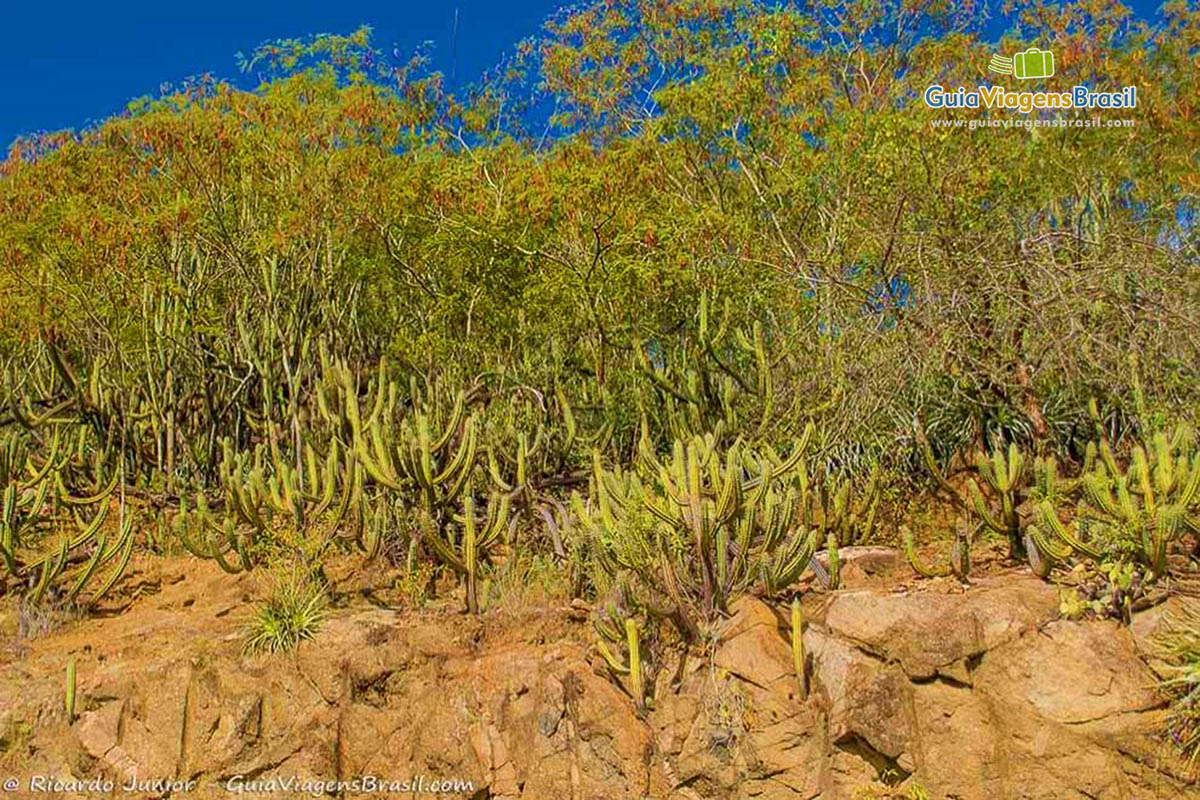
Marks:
<point>840,508</point>
<point>624,637</point>
<point>702,528</point>
<point>1003,475</point>
<point>69,704</point>
<point>799,659</point>
<point>466,555</point>
<point>430,469</point>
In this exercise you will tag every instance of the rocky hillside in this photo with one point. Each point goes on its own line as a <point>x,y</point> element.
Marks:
<point>983,693</point>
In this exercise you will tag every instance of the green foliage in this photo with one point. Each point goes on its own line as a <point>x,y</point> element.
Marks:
<point>350,310</point>
<point>702,528</point>
<point>294,609</point>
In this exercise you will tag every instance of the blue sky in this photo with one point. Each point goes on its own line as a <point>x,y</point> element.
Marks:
<point>65,65</point>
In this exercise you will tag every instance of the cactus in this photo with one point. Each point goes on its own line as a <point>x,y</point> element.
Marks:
<point>205,536</point>
<point>1003,476</point>
<point>714,390</point>
<point>839,508</point>
<point>256,492</point>
<point>959,559</point>
<point>835,563</point>
<point>38,510</point>
<point>960,555</point>
<point>799,660</point>
<point>632,664</point>
<point>635,661</point>
<point>910,553</point>
<point>1045,552</point>
<point>470,555</point>
<point>703,527</point>
<point>1150,504</point>
<point>70,698</point>
<point>422,468</point>
<point>1012,487</point>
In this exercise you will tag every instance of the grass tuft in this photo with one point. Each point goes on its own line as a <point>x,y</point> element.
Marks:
<point>294,609</point>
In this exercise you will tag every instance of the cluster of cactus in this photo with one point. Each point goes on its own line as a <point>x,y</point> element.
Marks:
<point>428,460</point>
<point>195,375</point>
<point>1142,508</point>
<point>40,528</point>
<point>526,467</point>
<point>711,393</point>
<point>702,528</point>
<point>1148,506</point>
<point>840,509</point>
<point>1009,483</point>
<point>1003,474</point>
<point>263,489</point>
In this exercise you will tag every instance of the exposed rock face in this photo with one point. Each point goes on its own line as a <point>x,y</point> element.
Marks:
<point>980,695</point>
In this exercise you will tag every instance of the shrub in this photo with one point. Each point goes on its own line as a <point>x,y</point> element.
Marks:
<point>293,610</point>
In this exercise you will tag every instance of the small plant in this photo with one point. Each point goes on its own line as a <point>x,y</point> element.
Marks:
<point>607,627</point>
<point>798,655</point>
<point>35,620</point>
<point>960,556</point>
<point>528,580</point>
<point>70,699</point>
<point>294,610</point>
<point>15,747</point>
<point>875,791</point>
<point>1179,646</point>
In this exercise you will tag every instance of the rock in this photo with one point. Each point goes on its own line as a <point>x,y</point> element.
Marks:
<point>753,648</point>
<point>928,632</point>
<point>865,698</point>
<point>978,696</point>
<point>1154,620</point>
<point>871,560</point>
<point>1071,673</point>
